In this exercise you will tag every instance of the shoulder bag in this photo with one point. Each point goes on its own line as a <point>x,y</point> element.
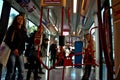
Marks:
<point>5,51</point>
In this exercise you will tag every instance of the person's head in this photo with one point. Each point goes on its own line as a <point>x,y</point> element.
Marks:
<point>55,42</point>
<point>19,21</point>
<point>46,41</point>
<point>88,36</point>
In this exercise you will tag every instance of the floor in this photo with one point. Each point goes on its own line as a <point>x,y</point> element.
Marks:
<point>70,73</point>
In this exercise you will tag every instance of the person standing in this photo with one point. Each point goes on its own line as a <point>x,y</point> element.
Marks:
<point>89,56</point>
<point>32,58</point>
<point>53,52</point>
<point>44,47</point>
<point>38,39</point>
<point>16,43</point>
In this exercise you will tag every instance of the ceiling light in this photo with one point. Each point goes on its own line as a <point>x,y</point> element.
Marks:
<point>56,28</point>
<point>74,6</point>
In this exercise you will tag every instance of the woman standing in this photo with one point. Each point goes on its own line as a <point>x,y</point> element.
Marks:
<point>89,56</point>
<point>15,39</point>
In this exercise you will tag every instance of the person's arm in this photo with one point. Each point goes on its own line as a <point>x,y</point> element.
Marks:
<point>9,36</point>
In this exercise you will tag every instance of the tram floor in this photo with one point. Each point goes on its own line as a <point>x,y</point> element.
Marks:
<point>70,73</point>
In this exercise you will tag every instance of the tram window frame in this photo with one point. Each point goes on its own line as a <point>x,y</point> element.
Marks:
<point>1,6</point>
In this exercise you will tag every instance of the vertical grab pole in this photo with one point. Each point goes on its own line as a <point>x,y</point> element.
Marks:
<point>106,52</point>
<point>100,35</point>
<point>38,54</point>
<point>48,74</point>
<point>62,21</point>
<point>48,69</point>
<point>69,19</point>
<point>62,35</point>
<point>40,26</point>
<point>69,22</point>
<point>41,13</point>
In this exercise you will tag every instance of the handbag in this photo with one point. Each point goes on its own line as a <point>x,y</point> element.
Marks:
<point>5,51</point>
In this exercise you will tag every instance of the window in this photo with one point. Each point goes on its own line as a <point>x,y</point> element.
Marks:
<point>13,13</point>
<point>31,27</point>
<point>1,4</point>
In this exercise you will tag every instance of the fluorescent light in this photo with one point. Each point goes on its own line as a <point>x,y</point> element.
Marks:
<point>56,28</point>
<point>74,6</point>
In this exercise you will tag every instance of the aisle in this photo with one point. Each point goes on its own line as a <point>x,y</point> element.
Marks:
<point>70,73</point>
<point>55,74</point>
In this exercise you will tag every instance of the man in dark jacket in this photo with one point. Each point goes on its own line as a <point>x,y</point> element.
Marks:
<point>53,51</point>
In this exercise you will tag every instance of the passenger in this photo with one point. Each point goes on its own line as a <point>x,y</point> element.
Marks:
<point>88,57</point>
<point>43,51</point>
<point>53,52</point>
<point>44,46</point>
<point>61,56</point>
<point>15,39</point>
<point>38,42</point>
<point>33,63</point>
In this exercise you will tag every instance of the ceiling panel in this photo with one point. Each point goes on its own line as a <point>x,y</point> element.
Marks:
<point>71,23</point>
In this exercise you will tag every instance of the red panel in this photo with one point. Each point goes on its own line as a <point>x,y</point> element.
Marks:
<point>118,13</point>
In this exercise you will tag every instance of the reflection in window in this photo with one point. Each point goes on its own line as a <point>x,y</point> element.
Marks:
<point>13,13</point>
<point>1,4</point>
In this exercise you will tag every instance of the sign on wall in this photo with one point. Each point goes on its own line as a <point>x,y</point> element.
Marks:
<point>53,2</point>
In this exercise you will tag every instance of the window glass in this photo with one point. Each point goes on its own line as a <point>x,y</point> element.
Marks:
<point>31,27</point>
<point>1,4</point>
<point>13,13</point>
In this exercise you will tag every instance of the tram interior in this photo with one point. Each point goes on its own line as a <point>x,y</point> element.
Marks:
<point>76,22</point>
<point>62,21</point>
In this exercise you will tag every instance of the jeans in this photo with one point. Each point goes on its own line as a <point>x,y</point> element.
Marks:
<point>0,71</point>
<point>11,67</point>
